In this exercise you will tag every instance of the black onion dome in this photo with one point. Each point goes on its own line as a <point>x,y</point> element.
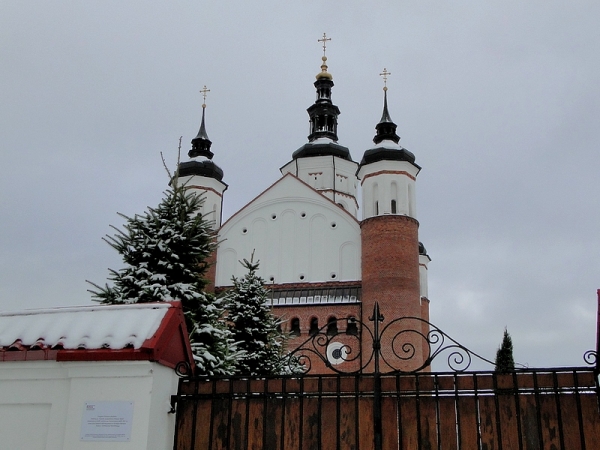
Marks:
<point>386,131</point>
<point>323,115</point>
<point>383,153</point>
<point>322,149</point>
<point>204,168</point>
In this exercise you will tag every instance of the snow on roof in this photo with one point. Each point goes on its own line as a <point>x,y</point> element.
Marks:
<point>388,143</point>
<point>322,140</point>
<point>89,327</point>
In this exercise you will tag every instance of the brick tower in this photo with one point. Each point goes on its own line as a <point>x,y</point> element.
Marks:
<point>390,242</point>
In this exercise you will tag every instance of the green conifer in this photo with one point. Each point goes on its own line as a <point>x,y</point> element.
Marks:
<point>165,250</point>
<point>255,329</point>
<point>504,356</point>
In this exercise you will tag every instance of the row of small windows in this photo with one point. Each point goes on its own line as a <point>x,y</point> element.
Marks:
<point>392,206</point>
<point>331,330</point>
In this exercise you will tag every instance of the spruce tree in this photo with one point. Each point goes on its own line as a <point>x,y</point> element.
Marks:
<point>256,330</point>
<point>165,250</point>
<point>504,356</point>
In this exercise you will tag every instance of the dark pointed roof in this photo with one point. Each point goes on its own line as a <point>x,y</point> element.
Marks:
<point>206,168</point>
<point>201,148</point>
<point>201,143</point>
<point>323,114</point>
<point>386,141</point>
<point>386,128</point>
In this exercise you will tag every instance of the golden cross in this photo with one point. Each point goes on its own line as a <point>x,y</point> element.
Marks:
<point>324,40</point>
<point>385,75</point>
<point>204,91</point>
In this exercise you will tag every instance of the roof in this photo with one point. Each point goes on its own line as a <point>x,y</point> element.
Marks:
<point>315,295</point>
<point>148,331</point>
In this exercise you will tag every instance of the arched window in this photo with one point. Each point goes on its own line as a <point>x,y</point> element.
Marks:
<point>393,206</point>
<point>295,327</point>
<point>314,326</point>
<point>332,326</point>
<point>352,327</point>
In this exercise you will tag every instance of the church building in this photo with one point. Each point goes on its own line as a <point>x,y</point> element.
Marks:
<point>325,256</point>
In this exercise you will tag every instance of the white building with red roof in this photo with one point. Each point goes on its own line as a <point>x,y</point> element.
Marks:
<point>96,377</point>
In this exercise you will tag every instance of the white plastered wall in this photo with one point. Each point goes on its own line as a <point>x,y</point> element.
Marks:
<point>423,262</point>
<point>42,402</point>
<point>297,234</point>
<point>212,191</point>
<point>335,176</point>
<point>392,180</point>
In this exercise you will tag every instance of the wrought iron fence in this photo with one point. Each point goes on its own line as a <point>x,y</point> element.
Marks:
<point>528,409</point>
<point>380,398</point>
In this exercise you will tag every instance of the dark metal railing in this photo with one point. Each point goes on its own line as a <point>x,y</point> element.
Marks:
<point>541,408</point>
<point>403,345</point>
<point>380,396</point>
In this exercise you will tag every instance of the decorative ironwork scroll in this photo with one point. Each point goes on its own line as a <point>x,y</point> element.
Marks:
<point>404,345</point>
<point>591,357</point>
<point>183,369</point>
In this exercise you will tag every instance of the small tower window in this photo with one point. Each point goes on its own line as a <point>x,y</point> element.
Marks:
<point>393,206</point>
<point>295,330</point>
<point>332,329</point>
<point>314,326</point>
<point>376,208</point>
<point>352,327</point>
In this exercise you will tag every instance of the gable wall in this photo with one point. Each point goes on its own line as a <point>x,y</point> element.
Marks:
<point>295,240</point>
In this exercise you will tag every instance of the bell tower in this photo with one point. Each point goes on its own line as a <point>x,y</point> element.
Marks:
<point>389,233</point>
<point>322,163</point>
<point>205,178</point>
<point>202,175</point>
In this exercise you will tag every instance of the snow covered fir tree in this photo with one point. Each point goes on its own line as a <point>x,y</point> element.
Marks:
<point>256,330</point>
<point>165,250</point>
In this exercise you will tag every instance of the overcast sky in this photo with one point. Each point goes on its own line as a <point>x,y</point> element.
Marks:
<point>498,100</point>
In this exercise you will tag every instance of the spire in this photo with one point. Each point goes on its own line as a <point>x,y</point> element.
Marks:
<point>323,73</point>
<point>386,128</point>
<point>386,140</point>
<point>201,143</point>
<point>323,115</point>
<point>201,147</point>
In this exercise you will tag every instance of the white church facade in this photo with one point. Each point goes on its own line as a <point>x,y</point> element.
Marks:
<point>323,255</point>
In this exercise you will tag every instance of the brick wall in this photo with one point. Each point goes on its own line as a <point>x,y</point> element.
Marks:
<point>390,276</point>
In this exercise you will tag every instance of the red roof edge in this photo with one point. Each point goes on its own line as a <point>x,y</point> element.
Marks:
<point>169,346</point>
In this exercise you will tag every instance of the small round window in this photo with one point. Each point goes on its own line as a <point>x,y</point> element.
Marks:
<point>336,353</point>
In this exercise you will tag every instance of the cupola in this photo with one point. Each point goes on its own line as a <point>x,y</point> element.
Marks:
<point>201,149</point>
<point>323,118</point>
<point>388,171</point>
<point>201,175</point>
<point>386,140</point>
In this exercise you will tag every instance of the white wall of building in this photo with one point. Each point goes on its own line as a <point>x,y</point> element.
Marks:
<point>211,190</point>
<point>42,403</point>
<point>297,234</point>
<point>334,177</point>
<point>387,181</point>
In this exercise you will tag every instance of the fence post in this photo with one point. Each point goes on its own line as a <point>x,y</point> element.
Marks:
<point>377,429</point>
